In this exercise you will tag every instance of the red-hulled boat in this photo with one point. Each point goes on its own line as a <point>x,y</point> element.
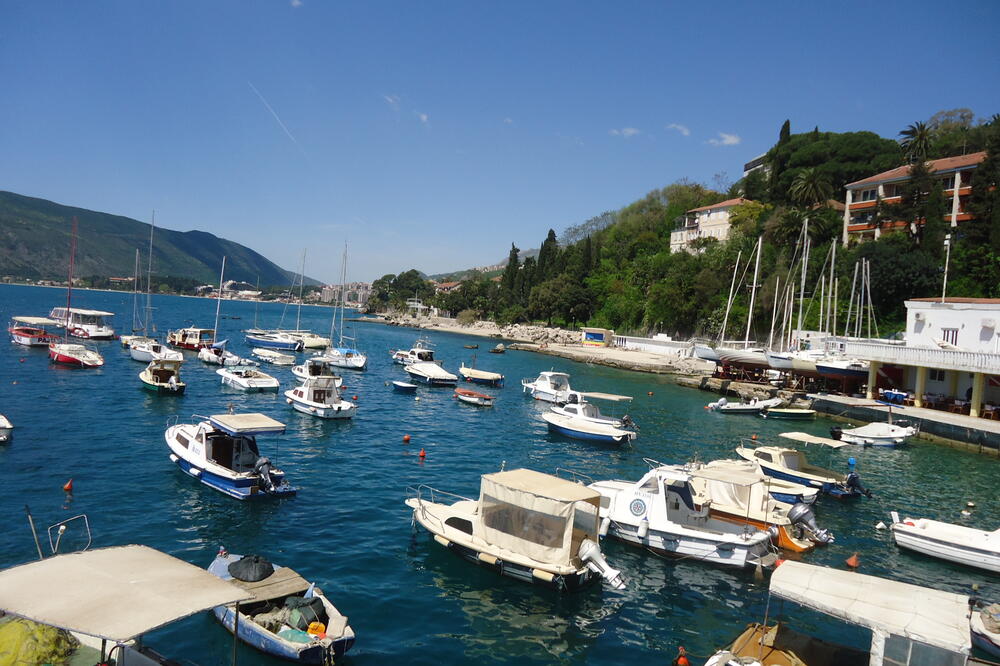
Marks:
<point>30,331</point>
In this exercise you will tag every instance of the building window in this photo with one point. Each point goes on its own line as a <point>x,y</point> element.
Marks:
<point>950,335</point>
<point>936,375</point>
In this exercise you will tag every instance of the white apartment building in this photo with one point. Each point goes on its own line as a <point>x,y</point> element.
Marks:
<point>704,222</point>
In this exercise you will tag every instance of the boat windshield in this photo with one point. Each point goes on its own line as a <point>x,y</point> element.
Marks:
<point>239,454</point>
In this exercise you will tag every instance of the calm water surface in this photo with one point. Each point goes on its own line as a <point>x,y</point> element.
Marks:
<point>408,599</point>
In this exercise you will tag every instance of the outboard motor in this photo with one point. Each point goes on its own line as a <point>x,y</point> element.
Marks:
<point>802,516</point>
<point>835,432</point>
<point>263,468</point>
<point>591,555</point>
<point>853,481</point>
<point>627,422</point>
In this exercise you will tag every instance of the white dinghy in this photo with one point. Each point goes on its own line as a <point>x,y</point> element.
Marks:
<point>247,378</point>
<point>947,541</point>
<point>6,429</point>
<point>148,349</point>
<point>318,396</point>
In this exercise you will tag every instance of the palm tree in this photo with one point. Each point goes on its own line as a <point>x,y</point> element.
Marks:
<point>916,142</point>
<point>810,187</point>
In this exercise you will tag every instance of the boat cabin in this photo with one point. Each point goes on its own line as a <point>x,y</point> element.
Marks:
<point>84,323</point>
<point>229,440</point>
<point>192,338</point>
<point>30,331</point>
<point>321,389</point>
<point>317,367</point>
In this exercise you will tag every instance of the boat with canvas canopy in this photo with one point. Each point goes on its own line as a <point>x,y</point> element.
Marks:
<point>316,366</point>
<point>477,376</point>
<point>526,525</point>
<point>30,331</point>
<point>221,452</point>
<point>163,377</point>
<point>137,589</point>
<point>318,396</point>
<point>788,492</point>
<point>431,373</point>
<point>81,323</point>
<point>247,378</point>
<point>956,543</point>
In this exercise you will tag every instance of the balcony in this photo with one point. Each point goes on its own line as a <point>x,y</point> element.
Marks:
<point>945,359</point>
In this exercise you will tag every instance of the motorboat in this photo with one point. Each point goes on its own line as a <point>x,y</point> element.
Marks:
<point>842,368</point>
<point>308,339</point>
<point>318,396</point>
<point>403,387</point>
<point>273,357</point>
<point>578,406</point>
<point>191,338</point>
<point>346,357</point>
<point>431,373</point>
<point>217,354</point>
<point>273,340</point>
<point>752,406</point>
<point>148,349</point>
<point>526,525</point>
<point>221,452</point>
<point>316,366</point>
<point>69,353</point>
<point>247,378</point>
<point>747,358</point>
<point>138,590</point>
<point>286,617</point>
<point>792,413</point>
<point>791,465</point>
<point>947,541</point>
<point>163,377</point>
<point>875,434</point>
<point>910,625</point>
<point>477,376</point>
<point>6,430</point>
<point>657,512</point>
<point>80,323</point>
<point>30,331</point>
<point>549,386</point>
<point>498,349</point>
<point>420,352</point>
<point>474,397</point>
<point>471,346</point>
<point>745,500</point>
<point>577,427</point>
<point>788,492</point>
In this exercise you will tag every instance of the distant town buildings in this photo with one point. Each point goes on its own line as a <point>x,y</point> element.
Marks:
<point>704,222</point>
<point>357,293</point>
<point>446,287</point>
<point>861,201</point>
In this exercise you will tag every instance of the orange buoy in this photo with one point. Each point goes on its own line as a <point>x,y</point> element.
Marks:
<point>406,439</point>
<point>68,487</point>
<point>423,454</point>
<point>853,561</point>
<point>354,397</point>
<point>753,437</point>
<point>649,393</point>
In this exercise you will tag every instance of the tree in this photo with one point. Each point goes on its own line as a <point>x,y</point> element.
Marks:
<point>810,187</point>
<point>984,201</point>
<point>547,256</point>
<point>747,216</point>
<point>916,142</point>
<point>508,282</point>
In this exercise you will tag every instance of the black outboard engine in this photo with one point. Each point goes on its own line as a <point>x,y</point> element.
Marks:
<point>627,422</point>
<point>263,468</point>
<point>853,484</point>
<point>835,432</point>
<point>802,517</point>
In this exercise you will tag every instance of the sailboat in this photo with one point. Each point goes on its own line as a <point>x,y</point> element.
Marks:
<point>146,348</point>
<point>65,352</point>
<point>216,353</point>
<point>308,339</point>
<point>746,357</point>
<point>342,355</point>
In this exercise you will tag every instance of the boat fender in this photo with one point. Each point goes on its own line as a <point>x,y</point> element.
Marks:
<point>605,524</point>
<point>643,528</point>
<point>441,540</point>
<point>547,576</point>
<point>487,558</point>
<point>288,400</point>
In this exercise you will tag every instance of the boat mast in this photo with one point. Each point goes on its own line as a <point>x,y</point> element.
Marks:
<point>805,267</point>
<point>135,295</point>
<point>302,280</point>
<point>148,323</point>
<point>218,302</point>
<point>774,311</point>
<point>753,293</point>
<point>69,285</point>
<point>256,305</point>
<point>729,302</point>
<point>343,294</point>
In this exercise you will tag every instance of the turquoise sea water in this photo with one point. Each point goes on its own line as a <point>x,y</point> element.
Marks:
<point>408,599</point>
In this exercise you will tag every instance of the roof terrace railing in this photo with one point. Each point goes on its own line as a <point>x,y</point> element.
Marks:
<point>945,359</point>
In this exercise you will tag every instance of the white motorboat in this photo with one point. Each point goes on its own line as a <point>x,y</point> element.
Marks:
<point>752,406</point>
<point>875,434</point>
<point>478,376</point>
<point>31,332</point>
<point>420,352</point>
<point>549,386</point>
<point>318,396</point>
<point>277,619</point>
<point>579,407</point>
<point>221,452</point>
<point>163,377</point>
<point>317,366</point>
<point>791,465</point>
<point>81,323</point>
<point>526,525</point>
<point>273,357</point>
<point>148,349</point>
<point>947,541</point>
<point>273,340</point>
<point>346,357</point>
<point>68,353</point>
<point>658,512</point>
<point>217,354</point>
<point>6,430</point>
<point>474,397</point>
<point>191,338</point>
<point>247,378</point>
<point>581,428</point>
<point>431,373</point>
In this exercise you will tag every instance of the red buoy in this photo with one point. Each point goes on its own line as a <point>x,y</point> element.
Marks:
<point>354,397</point>
<point>423,454</point>
<point>753,437</point>
<point>853,561</point>
<point>778,562</point>
<point>68,487</point>
<point>406,439</point>
<point>22,360</point>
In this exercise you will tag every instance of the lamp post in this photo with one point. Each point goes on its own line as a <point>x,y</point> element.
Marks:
<point>947,258</point>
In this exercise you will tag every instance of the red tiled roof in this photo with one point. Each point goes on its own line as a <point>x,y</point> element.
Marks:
<point>959,299</point>
<point>447,285</point>
<point>936,166</point>
<point>728,203</point>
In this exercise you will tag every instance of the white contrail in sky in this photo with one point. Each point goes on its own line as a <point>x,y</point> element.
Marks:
<point>275,114</point>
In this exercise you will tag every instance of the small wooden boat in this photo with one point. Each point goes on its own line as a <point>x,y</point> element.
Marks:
<point>474,397</point>
<point>163,377</point>
<point>955,543</point>
<point>403,387</point>
<point>471,346</point>
<point>247,378</point>
<point>477,376</point>
<point>273,357</point>
<point>789,413</point>
<point>6,430</point>
<point>499,349</point>
<point>287,617</point>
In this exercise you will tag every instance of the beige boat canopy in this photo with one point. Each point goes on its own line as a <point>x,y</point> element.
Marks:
<point>35,321</point>
<point>537,515</point>
<point>891,610</point>
<point>114,593</point>
<point>806,438</point>
<point>282,583</point>
<point>246,424</point>
<point>605,396</point>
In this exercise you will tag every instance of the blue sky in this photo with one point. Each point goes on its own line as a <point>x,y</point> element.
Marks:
<point>431,135</point>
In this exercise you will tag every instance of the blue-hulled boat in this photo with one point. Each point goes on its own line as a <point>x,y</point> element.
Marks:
<point>288,617</point>
<point>580,428</point>
<point>791,465</point>
<point>403,387</point>
<point>221,452</point>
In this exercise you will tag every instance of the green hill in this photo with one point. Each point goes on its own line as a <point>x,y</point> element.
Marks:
<point>34,243</point>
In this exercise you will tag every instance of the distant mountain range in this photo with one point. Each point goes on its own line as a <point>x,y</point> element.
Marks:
<point>34,244</point>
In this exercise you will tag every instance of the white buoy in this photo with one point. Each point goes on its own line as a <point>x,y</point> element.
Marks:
<point>880,525</point>
<point>971,505</point>
<point>966,513</point>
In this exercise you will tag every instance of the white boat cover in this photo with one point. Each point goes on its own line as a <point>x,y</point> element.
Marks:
<point>582,425</point>
<point>480,374</point>
<point>114,593</point>
<point>531,513</point>
<point>81,311</point>
<point>605,396</point>
<point>246,424</point>
<point>430,370</point>
<point>887,607</point>
<point>813,439</point>
<point>35,321</point>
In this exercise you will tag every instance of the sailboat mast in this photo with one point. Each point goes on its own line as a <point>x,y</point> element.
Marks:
<point>774,312</point>
<point>147,323</point>
<point>218,302</point>
<point>302,280</point>
<point>729,302</point>
<point>135,294</point>
<point>343,294</point>
<point>753,294</point>
<point>805,267</point>
<point>69,285</point>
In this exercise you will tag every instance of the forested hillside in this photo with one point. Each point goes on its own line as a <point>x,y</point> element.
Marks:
<point>621,274</point>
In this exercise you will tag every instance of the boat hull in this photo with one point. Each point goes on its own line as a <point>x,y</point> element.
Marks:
<point>241,488</point>
<point>968,555</point>
<point>720,553</point>
<point>28,337</point>
<point>252,634</point>
<point>403,387</point>
<point>267,343</point>
<point>432,381</point>
<point>791,414</point>
<point>573,433</point>
<point>476,401</point>
<point>837,372</point>
<point>341,410</point>
<point>163,389</point>
<point>784,539</point>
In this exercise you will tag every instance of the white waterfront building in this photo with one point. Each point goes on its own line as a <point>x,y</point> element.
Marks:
<point>704,222</point>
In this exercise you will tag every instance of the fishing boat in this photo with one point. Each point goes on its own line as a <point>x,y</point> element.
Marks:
<point>471,346</point>
<point>217,354</point>
<point>87,324</point>
<point>273,357</point>
<point>526,525</point>
<point>318,396</point>
<point>420,352</point>
<point>286,616</point>
<point>431,373</point>
<point>316,366</point>
<point>163,377</point>
<point>947,541</point>
<point>221,452</point>
<point>148,349</point>
<point>30,331</point>
<point>657,512</point>
<point>791,465</point>
<point>247,378</point>
<point>273,340</point>
<point>578,406</point>
<point>476,376</point>
<point>474,397</point>
<point>403,387</point>
<point>191,338</point>
<point>6,430</point>
<point>498,349</point>
<point>910,625</point>
<point>752,406</point>
<point>578,427</point>
<point>790,413</point>
<point>549,386</point>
